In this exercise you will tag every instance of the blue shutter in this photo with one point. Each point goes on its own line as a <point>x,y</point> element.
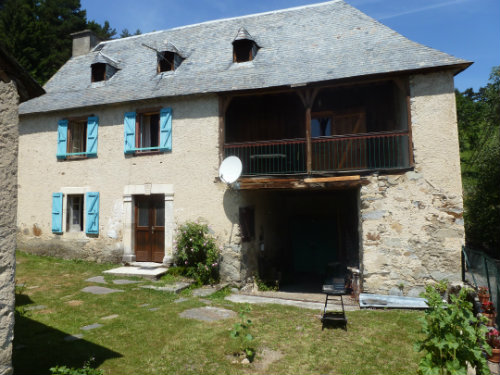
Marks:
<point>62,138</point>
<point>166,129</point>
<point>129,125</point>
<point>92,126</point>
<point>92,213</point>
<point>57,208</point>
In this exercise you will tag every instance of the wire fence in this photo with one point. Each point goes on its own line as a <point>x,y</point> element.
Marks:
<point>478,269</point>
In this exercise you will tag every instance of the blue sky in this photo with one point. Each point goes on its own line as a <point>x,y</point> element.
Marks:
<point>469,29</point>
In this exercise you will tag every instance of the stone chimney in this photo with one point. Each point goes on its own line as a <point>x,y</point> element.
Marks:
<point>83,42</point>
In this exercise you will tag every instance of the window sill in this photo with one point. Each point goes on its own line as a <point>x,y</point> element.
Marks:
<point>148,152</point>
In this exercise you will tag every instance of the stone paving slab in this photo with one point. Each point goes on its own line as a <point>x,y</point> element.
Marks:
<point>154,309</point>
<point>109,317</point>
<point>97,279</point>
<point>125,282</point>
<point>144,305</point>
<point>208,314</point>
<point>174,288</point>
<point>332,305</point>
<point>91,326</point>
<point>179,300</point>
<point>153,271</point>
<point>205,291</point>
<point>100,290</point>
<point>36,307</point>
<point>73,337</point>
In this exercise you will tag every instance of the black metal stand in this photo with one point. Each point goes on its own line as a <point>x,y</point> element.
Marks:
<point>334,317</point>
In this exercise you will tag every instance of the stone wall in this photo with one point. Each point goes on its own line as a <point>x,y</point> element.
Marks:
<point>8,203</point>
<point>412,224</point>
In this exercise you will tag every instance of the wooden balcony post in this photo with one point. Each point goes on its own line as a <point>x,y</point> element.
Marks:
<point>308,141</point>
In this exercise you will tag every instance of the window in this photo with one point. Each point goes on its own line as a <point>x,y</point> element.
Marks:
<point>82,211</point>
<point>321,124</point>
<point>74,213</point>
<point>77,138</point>
<point>247,223</point>
<point>166,61</point>
<point>98,72</point>
<point>148,131</point>
<point>244,50</point>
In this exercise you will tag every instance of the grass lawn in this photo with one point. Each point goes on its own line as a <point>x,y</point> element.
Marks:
<point>158,341</point>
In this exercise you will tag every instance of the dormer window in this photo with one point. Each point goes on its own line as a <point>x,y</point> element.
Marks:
<point>166,61</point>
<point>244,48</point>
<point>98,72</point>
<point>102,68</point>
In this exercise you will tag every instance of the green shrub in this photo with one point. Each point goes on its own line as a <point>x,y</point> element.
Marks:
<point>453,335</point>
<point>197,252</point>
<point>241,333</point>
<point>85,370</point>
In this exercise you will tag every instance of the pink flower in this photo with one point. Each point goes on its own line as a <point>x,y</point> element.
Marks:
<point>186,262</point>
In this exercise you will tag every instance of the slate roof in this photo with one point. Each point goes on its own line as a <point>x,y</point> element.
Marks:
<point>313,43</point>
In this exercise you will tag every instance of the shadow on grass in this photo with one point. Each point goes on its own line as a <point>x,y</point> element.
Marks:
<point>38,347</point>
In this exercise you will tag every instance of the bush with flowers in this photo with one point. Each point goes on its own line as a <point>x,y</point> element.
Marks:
<point>197,252</point>
<point>493,338</point>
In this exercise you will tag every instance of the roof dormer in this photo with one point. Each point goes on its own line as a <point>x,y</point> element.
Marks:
<point>244,47</point>
<point>169,58</point>
<point>103,68</point>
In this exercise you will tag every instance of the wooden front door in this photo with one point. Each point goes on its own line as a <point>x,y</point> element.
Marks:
<point>149,228</point>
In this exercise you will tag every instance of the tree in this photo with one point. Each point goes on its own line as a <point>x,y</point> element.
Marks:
<point>36,32</point>
<point>479,132</point>
<point>125,33</point>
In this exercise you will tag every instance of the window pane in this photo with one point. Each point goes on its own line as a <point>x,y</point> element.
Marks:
<point>321,126</point>
<point>77,137</point>
<point>143,215</point>
<point>74,220</point>
<point>160,216</point>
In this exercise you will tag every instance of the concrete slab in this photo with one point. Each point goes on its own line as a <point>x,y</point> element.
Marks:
<point>179,300</point>
<point>332,305</point>
<point>391,302</point>
<point>142,269</point>
<point>73,337</point>
<point>174,288</point>
<point>125,282</point>
<point>100,290</point>
<point>208,314</point>
<point>91,326</point>
<point>97,279</point>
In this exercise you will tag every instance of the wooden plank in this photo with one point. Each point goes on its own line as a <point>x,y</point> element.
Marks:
<point>332,179</point>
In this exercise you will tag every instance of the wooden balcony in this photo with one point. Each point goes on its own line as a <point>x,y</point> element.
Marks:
<point>381,151</point>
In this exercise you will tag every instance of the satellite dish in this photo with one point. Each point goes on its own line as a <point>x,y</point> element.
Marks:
<point>230,169</point>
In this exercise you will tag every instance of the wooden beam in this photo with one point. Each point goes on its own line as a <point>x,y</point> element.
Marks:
<point>332,179</point>
<point>308,141</point>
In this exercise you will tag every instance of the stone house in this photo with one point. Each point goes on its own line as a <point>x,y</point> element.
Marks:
<point>346,131</point>
<point>15,86</point>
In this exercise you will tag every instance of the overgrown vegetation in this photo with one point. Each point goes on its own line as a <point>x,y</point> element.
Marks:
<point>87,369</point>
<point>479,134</point>
<point>197,254</point>
<point>148,336</point>
<point>454,337</point>
<point>241,333</point>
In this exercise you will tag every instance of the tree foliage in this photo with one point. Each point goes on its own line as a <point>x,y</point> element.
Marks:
<point>37,32</point>
<point>479,133</point>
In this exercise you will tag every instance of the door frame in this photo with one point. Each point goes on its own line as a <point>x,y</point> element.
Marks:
<point>128,218</point>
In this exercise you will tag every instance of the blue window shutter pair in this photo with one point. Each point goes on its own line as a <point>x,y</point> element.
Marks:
<point>62,137</point>
<point>91,212</point>
<point>129,124</point>
<point>166,129</point>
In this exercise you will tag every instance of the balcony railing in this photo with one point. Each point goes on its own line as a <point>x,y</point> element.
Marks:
<point>360,152</point>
